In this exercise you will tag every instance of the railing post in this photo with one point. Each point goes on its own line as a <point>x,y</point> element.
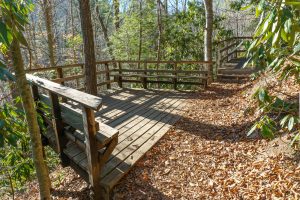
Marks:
<point>226,45</point>
<point>120,75</point>
<point>60,74</point>
<point>145,74</point>
<point>175,76</point>
<point>107,76</point>
<point>91,151</point>
<point>236,50</point>
<point>61,140</point>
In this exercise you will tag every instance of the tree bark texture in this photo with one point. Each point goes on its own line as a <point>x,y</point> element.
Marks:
<point>89,47</point>
<point>33,127</point>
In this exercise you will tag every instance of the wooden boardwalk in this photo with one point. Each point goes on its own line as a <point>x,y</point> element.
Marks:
<point>142,118</point>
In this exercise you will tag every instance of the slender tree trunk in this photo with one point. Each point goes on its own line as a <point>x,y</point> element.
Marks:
<point>140,33</point>
<point>116,14</point>
<point>47,9</point>
<point>33,127</point>
<point>166,7</point>
<point>105,33</point>
<point>159,29</point>
<point>73,30</point>
<point>89,47</point>
<point>208,36</point>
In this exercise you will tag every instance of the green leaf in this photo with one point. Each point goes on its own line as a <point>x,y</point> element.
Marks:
<point>291,123</point>
<point>297,48</point>
<point>267,132</point>
<point>276,38</point>
<point>284,120</point>
<point>246,7</point>
<point>253,128</point>
<point>288,26</point>
<point>5,34</point>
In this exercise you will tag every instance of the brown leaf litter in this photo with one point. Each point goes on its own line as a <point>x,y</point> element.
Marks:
<point>206,155</point>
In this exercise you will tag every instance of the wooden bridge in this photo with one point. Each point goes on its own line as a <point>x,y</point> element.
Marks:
<point>102,137</point>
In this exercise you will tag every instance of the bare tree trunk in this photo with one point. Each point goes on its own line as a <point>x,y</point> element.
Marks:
<point>116,14</point>
<point>47,9</point>
<point>89,47</point>
<point>105,33</point>
<point>33,127</point>
<point>208,36</point>
<point>159,28</point>
<point>73,30</point>
<point>140,33</point>
<point>166,6</point>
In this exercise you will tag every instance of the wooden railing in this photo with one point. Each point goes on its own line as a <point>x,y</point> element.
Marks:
<point>145,73</point>
<point>230,48</point>
<point>66,123</point>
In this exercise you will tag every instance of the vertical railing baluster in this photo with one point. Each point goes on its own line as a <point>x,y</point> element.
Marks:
<point>108,86</point>
<point>175,76</point>
<point>145,74</point>
<point>58,127</point>
<point>120,75</point>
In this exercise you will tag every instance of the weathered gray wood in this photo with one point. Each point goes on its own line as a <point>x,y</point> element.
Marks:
<point>91,148</point>
<point>129,107</point>
<point>175,77</point>
<point>158,131</point>
<point>58,127</point>
<point>87,100</point>
<point>120,75</point>
<point>107,76</point>
<point>142,132</point>
<point>73,117</point>
<point>144,79</point>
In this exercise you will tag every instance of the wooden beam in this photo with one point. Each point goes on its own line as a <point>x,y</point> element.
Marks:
<point>91,150</point>
<point>82,98</point>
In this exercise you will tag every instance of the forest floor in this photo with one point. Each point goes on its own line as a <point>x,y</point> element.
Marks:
<point>206,155</point>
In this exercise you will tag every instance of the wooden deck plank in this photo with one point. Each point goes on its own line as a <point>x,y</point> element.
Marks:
<point>147,114</point>
<point>124,149</point>
<point>142,118</point>
<point>112,178</point>
<point>142,112</point>
<point>127,107</point>
<point>114,102</point>
<point>122,118</point>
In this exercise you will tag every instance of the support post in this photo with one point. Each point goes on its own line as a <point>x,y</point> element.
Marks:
<point>120,75</point>
<point>145,74</point>
<point>226,45</point>
<point>61,140</point>
<point>91,151</point>
<point>175,77</point>
<point>107,76</point>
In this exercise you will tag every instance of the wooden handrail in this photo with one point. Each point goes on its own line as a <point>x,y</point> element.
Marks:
<point>234,38</point>
<point>154,62</point>
<point>87,100</point>
<point>54,68</point>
